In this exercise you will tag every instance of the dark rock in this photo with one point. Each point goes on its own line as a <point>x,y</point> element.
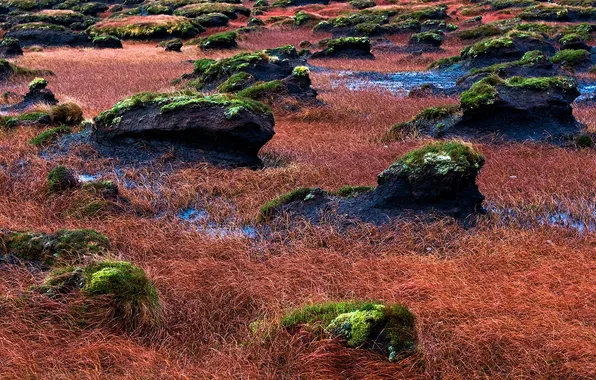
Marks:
<point>347,47</point>
<point>515,109</point>
<point>10,47</point>
<point>219,123</point>
<point>107,42</point>
<point>174,45</point>
<point>438,178</point>
<point>49,37</point>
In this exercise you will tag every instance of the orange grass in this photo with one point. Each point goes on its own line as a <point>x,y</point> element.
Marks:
<point>500,301</point>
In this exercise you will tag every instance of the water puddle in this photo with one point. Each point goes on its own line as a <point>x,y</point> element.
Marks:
<point>84,178</point>
<point>401,83</point>
<point>199,219</point>
<point>560,219</point>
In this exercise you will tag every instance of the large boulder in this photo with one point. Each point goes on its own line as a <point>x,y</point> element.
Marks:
<point>515,109</point>
<point>218,123</point>
<point>438,178</point>
<point>347,47</point>
<point>40,34</point>
<point>10,47</point>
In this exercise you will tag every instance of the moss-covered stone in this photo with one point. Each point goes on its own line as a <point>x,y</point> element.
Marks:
<point>571,58</point>
<point>432,38</point>
<point>362,4</point>
<point>262,90</point>
<point>64,247</point>
<point>38,84</point>
<point>442,158</point>
<point>236,82</point>
<point>224,40</point>
<point>150,27</point>
<point>352,191</point>
<point>60,178</point>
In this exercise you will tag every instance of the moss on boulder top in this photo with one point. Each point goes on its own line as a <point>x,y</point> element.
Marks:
<point>441,158</point>
<point>388,329</point>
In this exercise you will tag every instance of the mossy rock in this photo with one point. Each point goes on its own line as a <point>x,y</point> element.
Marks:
<point>64,247</point>
<point>362,4</point>
<point>197,10</point>
<point>388,329</point>
<point>60,179</point>
<point>107,42</point>
<point>224,40</point>
<point>427,38</point>
<point>572,58</point>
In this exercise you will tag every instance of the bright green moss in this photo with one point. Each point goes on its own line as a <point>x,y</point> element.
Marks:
<point>362,4</point>
<point>262,90</point>
<point>388,329</point>
<point>570,57</point>
<point>443,157</point>
<point>235,82</point>
<point>503,4</point>
<point>301,18</point>
<point>480,94</point>
<point>50,135</point>
<point>38,84</point>
<point>201,65</point>
<point>301,71</point>
<point>135,302</point>
<point>40,26</point>
<point>268,208</point>
<point>60,179</point>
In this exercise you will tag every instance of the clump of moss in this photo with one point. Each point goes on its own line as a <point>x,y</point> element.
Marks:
<point>441,157</point>
<point>268,208</point>
<point>481,31</point>
<point>66,113</point>
<point>104,189</point>
<point>133,298</point>
<point>433,38</point>
<point>60,179</point>
<point>444,62</point>
<point>12,69</point>
<point>38,117</point>
<point>201,65</point>
<point>224,40</point>
<point>480,94</point>
<point>65,246</point>
<point>209,71</point>
<point>162,27</point>
<point>387,329</point>
<point>50,135</point>
<point>301,71</point>
<point>352,191</point>
<point>263,90</point>
<point>571,57</point>
<point>236,82</point>
<point>38,84</point>
<point>584,141</point>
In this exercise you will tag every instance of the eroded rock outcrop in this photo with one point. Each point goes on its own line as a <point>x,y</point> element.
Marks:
<point>224,124</point>
<point>438,178</point>
<point>514,109</point>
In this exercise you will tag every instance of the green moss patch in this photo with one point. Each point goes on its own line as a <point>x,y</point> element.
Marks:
<point>441,157</point>
<point>385,328</point>
<point>571,58</point>
<point>268,208</point>
<point>50,135</point>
